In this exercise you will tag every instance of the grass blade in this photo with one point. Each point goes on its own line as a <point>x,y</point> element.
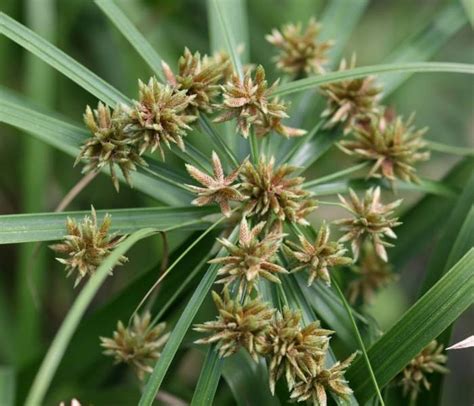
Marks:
<point>424,44</point>
<point>208,379</point>
<point>154,382</point>
<point>60,61</point>
<point>71,322</point>
<point>413,67</point>
<point>424,321</point>
<point>7,386</point>
<point>131,33</point>
<point>21,228</point>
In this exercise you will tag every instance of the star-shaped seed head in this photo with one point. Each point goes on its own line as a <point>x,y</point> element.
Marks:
<point>274,191</point>
<point>300,52</point>
<point>86,245</point>
<point>248,101</point>
<point>294,351</point>
<point>372,274</point>
<point>392,144</point>
<point>370,220</point>
<point>251,258</point>
<point>109,145</point>
<point>414,377</point>
<point>325,380</point>
<point>350,101</point>
<point>199,77</point>
<point>237,325</point>
<point>219,188</point>
<point>317,257</point>
<point>138,345</point>
<point>159,116</point>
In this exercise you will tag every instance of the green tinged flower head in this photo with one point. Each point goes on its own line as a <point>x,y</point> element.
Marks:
<point>248,101</point>
<point>251,258</point>
<point>325,380</point>
<point>237,325</point>
<point>372,274</point>
<point>108,145</point>
<point>391,143</point>
<point>159,116</point>
<point>300,52</point>
<point>138,345</point>
<point>370,220</point>
<point>293,350</point>
<point>414,377</point>
<point>218,188</point>
<point>199,77</point>
<point>350,101</point>
<point>273,191</point>
<point>86,245</point>
<point>317,257</point>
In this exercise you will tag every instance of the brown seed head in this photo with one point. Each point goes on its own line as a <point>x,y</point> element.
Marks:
<point>159,117</point>
<point>138,345</point>
<point>86,245</point>
<point>300,52</point>
<point>109,145</point>
<point>371,220</point>
<point>237,325</point>
<point>392,144</point>
<point>271,190</point>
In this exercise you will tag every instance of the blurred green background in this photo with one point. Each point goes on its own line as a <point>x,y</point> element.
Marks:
<point>33,177</point>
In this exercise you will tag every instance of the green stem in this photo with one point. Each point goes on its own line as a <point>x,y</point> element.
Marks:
<point>449,149</point>
<point>173,265</point>
<point>336,175</point>
<point>254,153</point>
<point>359,339</point>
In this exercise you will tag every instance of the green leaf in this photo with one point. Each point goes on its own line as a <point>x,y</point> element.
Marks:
<point>60,61</point>
<point>424,186</point>
<point>71,322</point>
<point>413,67</point>
<point>208,379</point>
<point>421,222</point>
<point>7,386</point>
<point>130,32</point>
<point>423,322</point>
<point>424,44</point>
<point>68,138</point>
<point>21,228</point>
<point>248,380</point>
<point>443,256</point>
<point>469,10</point>
<point>154,382</point>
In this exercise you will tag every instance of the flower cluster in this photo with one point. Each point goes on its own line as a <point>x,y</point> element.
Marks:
<point>248,100</point>
<point>414,377</point>
<point>138,345</point>
<point>86,245</point>
<point>300,52</point>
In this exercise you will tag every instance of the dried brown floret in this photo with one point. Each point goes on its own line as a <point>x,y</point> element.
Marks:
<point>138,345</point>
<point>160,116</point>
<point>251,258</point>
<point>237,325</point>
<point>319,256</point>
<point>273,191</point>
<point>392,144</point>
<point>371,220</point>
<point>300,52</point>
<point>109,145</point>
<point>86,245</point>
<point>219,189</point>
